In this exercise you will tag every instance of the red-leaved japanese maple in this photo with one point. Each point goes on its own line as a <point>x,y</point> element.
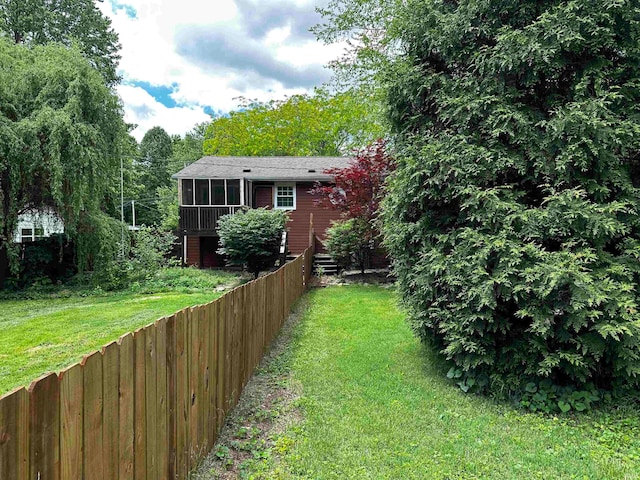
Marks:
<point>358,189</point>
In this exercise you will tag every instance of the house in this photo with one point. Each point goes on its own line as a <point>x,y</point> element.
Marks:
<point>217,186</point>
<point>36,224</point>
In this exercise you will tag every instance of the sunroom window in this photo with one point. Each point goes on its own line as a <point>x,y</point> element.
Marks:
<point>233,192</point>
<point>202,192</point>
<point>187,192</point>
<point>214,192</point>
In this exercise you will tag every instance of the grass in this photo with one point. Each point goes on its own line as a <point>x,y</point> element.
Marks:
<point>376,405</point>
<point>42,332</point>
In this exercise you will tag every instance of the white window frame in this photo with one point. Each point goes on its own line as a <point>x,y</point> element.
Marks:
<point>275,195</point>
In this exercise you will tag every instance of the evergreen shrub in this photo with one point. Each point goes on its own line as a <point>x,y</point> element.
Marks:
<point>513,216</point>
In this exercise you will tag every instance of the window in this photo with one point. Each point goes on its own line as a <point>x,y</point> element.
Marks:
<point>218,197</point>
<point>233,192</point>
<point>187,192</point>
<point>202,192</point>
<point>31,234</point>
<point>285,196</point>
<point>218,193</point>
<point>26,234</point>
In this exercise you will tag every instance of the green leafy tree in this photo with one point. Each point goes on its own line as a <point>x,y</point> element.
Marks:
<point>252,237</point>
<point>365,27</point>
<point>185,151</point>
<point>513,216</point>
<point>319,124</point>
<point>38,22</point>
<point>60,138</point>
<point>348,242</point>
<point>156,149</point>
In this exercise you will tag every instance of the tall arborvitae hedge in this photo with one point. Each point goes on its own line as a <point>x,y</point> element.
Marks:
<point>513,215</point>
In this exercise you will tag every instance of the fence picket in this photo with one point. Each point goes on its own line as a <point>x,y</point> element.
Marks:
<point>203,379</point>
<point>213,371</point>
<point>162,443</point>
<point>183,397</point>
<point>126,385</point>
<point>14,435</point>
<point>71,422</point>
<point>171,396</point>
<point>140,395</point>
<point>222,352</point>
<point>110,409</point>
<point>93,403</point>
<point>151,406</point>
<point>194,403</point>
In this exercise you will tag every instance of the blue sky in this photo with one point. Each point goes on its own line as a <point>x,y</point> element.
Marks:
<point>183,61</point>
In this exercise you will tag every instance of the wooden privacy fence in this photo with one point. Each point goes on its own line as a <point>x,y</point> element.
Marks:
<point>150,405</point>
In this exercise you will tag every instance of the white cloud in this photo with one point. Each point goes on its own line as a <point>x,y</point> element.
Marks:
<point>151,53</point>
<point>146,112</point>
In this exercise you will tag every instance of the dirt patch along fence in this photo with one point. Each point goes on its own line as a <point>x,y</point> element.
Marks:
<point>150,405</point>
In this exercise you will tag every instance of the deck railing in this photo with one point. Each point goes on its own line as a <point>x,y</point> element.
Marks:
<point>203,218</point>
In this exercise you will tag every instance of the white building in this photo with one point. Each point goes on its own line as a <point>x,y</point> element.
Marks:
<point>37,224</point>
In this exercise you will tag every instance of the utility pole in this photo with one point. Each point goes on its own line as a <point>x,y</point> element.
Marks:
<point>133,212</point>
<point>122,206</point>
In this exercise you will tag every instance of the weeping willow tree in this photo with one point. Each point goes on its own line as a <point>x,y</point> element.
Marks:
<point>61,131</point>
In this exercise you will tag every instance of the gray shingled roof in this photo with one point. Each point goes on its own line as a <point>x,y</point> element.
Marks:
<point>263,168</point>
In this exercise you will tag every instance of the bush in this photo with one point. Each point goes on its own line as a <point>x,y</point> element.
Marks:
<point>44,262</point>
<point>348,244</point>
<point>252,237</point>
<point>513,215</point>
<point>151,250</point>
<point>148,251</point>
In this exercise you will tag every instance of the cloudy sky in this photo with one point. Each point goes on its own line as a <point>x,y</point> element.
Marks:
<point>184,60</point>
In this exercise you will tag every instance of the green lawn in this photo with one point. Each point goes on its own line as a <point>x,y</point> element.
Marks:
<point>47,334</point>
<point>376,406</point>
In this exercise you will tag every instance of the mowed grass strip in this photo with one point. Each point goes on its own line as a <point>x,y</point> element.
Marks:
<point>376,405</point>
<point>43,335</point>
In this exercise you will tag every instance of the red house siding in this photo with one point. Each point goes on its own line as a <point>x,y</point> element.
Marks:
<point>298,224</point>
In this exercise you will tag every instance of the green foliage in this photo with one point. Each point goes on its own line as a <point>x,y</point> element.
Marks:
<point>44,262</point>
<point>348,243</point>
<point>184,280</point>
<point>185,151</point>
<point>67,22</point>
<point>252,237</point>
<point>148,252</point>
<point>152,166</point>
<point>101,241</point>
<point>151,250</point>
<point>318,124</point>
<point>513,216</point>
<point>60,137</point>
<point>168,209</point>
<point>365,27</point>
